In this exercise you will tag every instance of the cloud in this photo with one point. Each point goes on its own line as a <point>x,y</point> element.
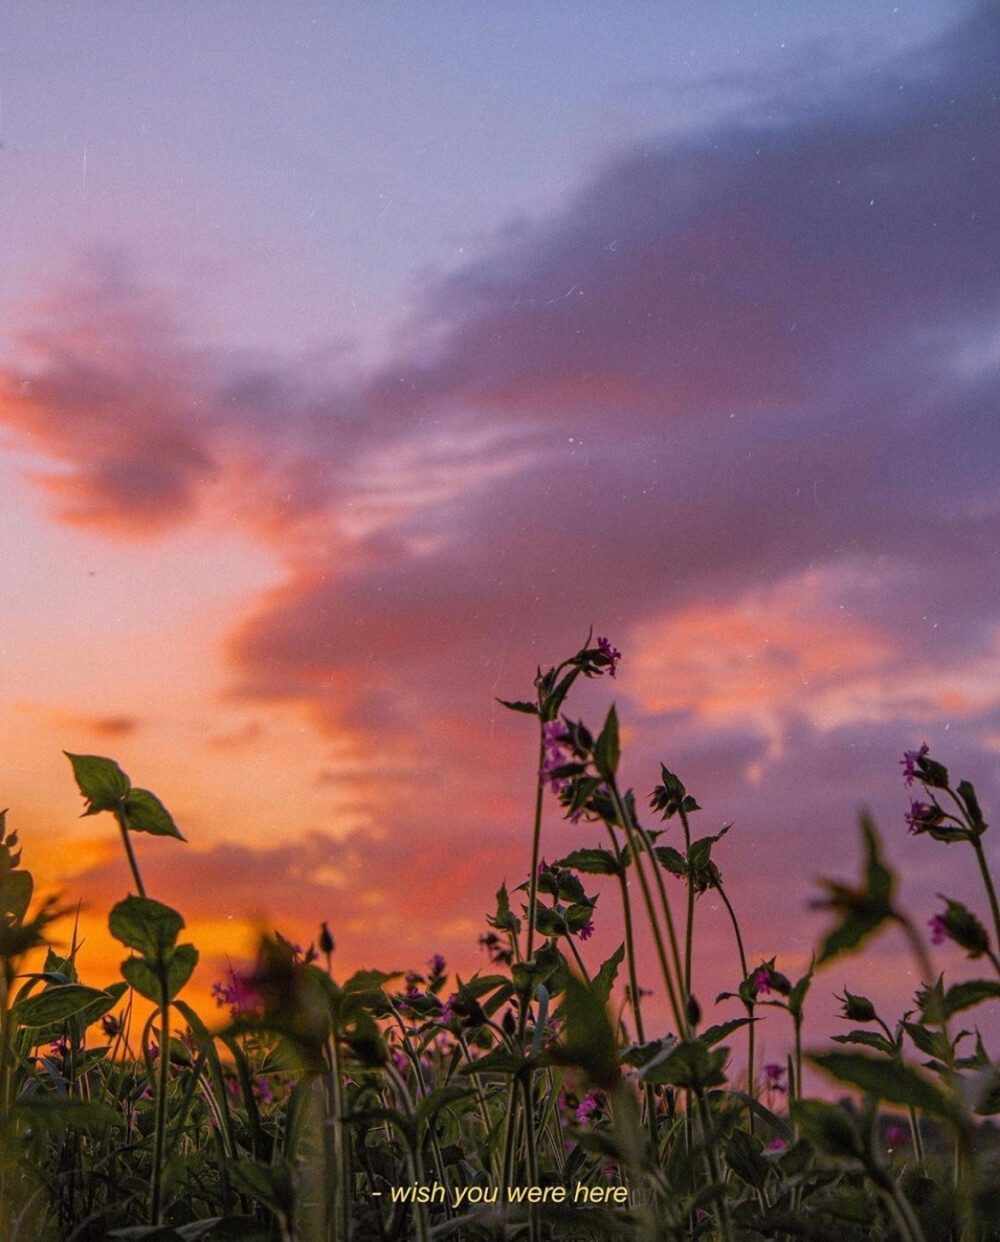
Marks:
<point>734,403</point>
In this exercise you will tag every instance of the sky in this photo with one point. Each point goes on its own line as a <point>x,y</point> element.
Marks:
<point>357,360</point>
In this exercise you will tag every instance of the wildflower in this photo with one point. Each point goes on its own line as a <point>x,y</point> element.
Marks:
<point>448,1014</point>
<point>774,1075</point>
<point>588,1108</point>
<point>240,994</point>
<point>111,1026</point>
<point>762,981</point>
<point>587,930</point>
<point>61,1047</point>
<point>399,1059</point>
<point>555,736</point>
<point>265,1092</point>
<point>437,964</point>
<point>911,763</point>
<point>922,816</point>
<point>611,654</point>
<point>939,932</point>
<point>776,1145</point>
<point>896,1136</point>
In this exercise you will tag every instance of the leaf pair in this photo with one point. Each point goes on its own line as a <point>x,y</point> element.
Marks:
<point>107,788</point>
<point>163,966</point>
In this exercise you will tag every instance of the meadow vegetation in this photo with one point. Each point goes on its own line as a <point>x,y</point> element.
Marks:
<point>536,1099</point>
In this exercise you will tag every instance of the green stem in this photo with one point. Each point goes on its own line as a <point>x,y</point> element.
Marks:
<point>127,841</point>
<point>631,832</point>
<point>160,1131</point>
<point>689,921</point>
<point>536,838</point>
<point>748,1005</point>
<point>341,1213</point>
<point>991,892</point>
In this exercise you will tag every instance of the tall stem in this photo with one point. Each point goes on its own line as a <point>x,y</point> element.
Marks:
<point>160,1131</point>
<point>633,834</point>
<point>689,921</point>
<point>127,841</point>
<point>991,892</point>
<point>748,1005</point>
<point>536,839</point>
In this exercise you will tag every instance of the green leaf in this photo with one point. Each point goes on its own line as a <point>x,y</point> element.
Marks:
<point>101,781</point>
<point>797,996</point>
<point>828,1128</point>
<point>146,925</point>
<point>862,910</point>
<point>144,812</point>
<point>968,795</point>
<point>270,1185</point>
<point>671,860</point>
<point>689,1064</point>
<point>931,1043</point>
<point>16,888</point>
<point>57,1003</point>
<point>607,749</point>
<point>592,862</point>
<point>867,1039</point>
<point>746,1159</point>
<point>518,705</point>
<point>604,980</point>
<point>588,1039</point>
<point>716,1034</point>
<point>965,995</point>
<point>890,1081</point>
<point>700,853</point>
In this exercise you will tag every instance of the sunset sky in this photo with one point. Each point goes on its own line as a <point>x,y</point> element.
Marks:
<point>355,359</point>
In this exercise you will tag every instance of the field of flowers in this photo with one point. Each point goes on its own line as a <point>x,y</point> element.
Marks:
<point>532,1101</point>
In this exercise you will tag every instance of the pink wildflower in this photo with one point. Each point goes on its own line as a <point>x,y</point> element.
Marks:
<point>611,654</point>
<point>910,761</point>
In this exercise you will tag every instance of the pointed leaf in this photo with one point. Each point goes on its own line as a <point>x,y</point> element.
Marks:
<point>144,812</point>
<point>100,780</point>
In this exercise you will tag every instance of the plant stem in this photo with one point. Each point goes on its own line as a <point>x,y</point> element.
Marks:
<point>991,892</point>
<point>748,1005</point>
<point>536,838</point>
<point>163,1080</point>
<point>126,840</point>
<point>689,921</point>
<point>680,1014</point>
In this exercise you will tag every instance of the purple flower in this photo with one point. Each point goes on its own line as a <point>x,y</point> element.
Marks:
<point>762,981</point>
<point>587,930</point>
<point>555,735</point>
<point>896,1136</point>
<point>241,995</point>
<point>910,761</point>
<point>437,964</point>
<point>588,1108</point>
<point>774,1075</point>
<point>921,816</point>
<point>265,1092</point>
<point>448,1009</point>
<point>612,654</point>
<point>939,929</point>
<point>776,1145</point>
